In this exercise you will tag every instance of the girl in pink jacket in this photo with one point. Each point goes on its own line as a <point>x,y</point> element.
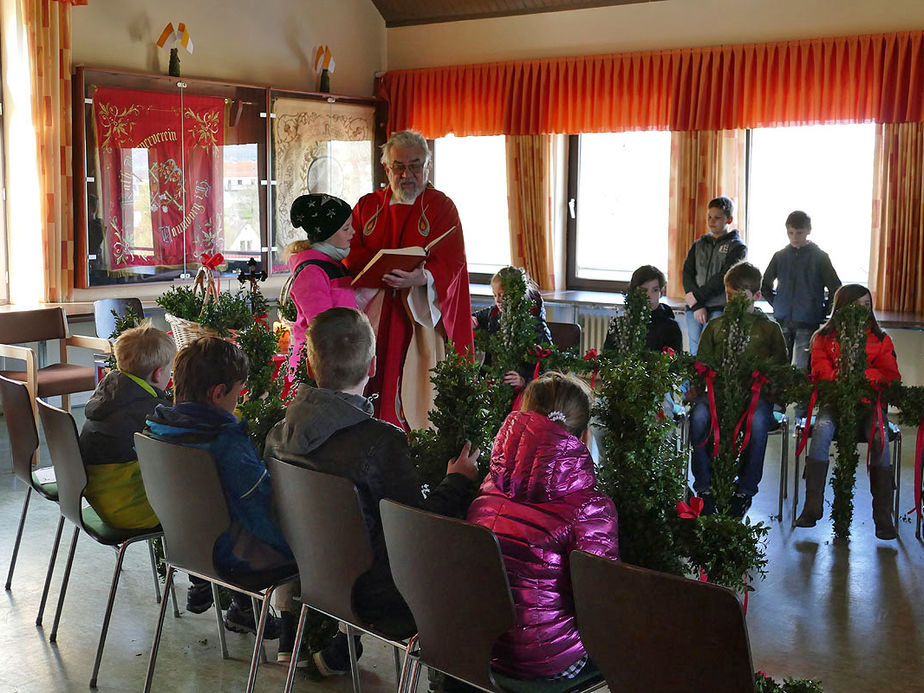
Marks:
<point>320,281</point>
<point>541,501</point>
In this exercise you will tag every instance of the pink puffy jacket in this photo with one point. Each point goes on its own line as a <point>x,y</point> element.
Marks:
<point>539,499</point>
<point>314,292</point>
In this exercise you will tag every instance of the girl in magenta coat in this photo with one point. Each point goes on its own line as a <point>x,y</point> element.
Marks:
<point>320,281</point>
<point>541,501</point>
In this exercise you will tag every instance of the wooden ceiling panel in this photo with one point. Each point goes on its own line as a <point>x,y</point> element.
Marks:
<point>412,12</point>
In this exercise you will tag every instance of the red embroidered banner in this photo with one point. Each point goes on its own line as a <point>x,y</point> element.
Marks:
<point>160,177</point>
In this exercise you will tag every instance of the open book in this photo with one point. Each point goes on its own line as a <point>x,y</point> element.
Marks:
<point>389,259</point>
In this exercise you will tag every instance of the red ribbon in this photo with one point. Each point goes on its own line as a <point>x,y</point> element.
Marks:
<point>808,417</point>
<point>877,420</point>
<point>918,469</point>
<point>709,375</point>
<point>540,354</point>
<point>691,510</point>
<point>667,350</point>
<point>590,356</point>
<point>758,381</point>
<point>212,261</point>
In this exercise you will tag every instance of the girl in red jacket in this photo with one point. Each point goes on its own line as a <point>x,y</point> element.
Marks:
<point>881,369</point>
<point>541,501</point>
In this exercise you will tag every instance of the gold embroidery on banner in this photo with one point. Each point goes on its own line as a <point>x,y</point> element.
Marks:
<point>204,128</point>
<point>117,123</point>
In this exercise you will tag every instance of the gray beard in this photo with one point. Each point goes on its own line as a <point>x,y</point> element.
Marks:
<point>401,197</point>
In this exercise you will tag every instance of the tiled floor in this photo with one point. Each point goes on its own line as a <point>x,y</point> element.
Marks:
<point>847,614</point>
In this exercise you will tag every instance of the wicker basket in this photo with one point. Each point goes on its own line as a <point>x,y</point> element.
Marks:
<point>186,331</point>
<point>283,299</point>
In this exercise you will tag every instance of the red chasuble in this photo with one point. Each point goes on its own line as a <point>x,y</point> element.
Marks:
<point>380,225</point>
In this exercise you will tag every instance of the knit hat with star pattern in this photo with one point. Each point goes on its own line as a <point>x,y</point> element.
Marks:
<point>319,215</point>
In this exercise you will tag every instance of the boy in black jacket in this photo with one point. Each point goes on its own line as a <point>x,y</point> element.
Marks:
<point>331,429</point>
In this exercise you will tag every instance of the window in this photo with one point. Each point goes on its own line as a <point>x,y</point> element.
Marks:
<point>472,171</point>
<point>619,191</point>
<point>823,170</point>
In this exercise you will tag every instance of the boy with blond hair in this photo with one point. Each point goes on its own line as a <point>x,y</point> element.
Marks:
<point>116,411</point>
<point>766,341</point>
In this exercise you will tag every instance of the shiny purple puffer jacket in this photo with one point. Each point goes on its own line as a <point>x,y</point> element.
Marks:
<point>540,501</point>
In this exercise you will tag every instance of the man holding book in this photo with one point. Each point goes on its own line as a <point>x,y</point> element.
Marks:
<point>416,310</point>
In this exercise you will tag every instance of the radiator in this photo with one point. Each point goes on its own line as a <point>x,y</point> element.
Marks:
<point>594,324</point>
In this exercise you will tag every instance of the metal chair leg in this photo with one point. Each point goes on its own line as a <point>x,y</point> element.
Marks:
<point>258,608</point>
<point>51,569</point>
<point>176,609</point>
<point>409,663</point>
<point>108,616</point>
<point>221,624</point>
<point>296,648</point>
<point>354,664</point>
<point>795,484</point>
<point>397,664</point>
<point>258,651</point>
<point>22,523</point>
<point>897,470</point>
<point>154,571</point>
<point>157,632</point>
<point>67,576</point>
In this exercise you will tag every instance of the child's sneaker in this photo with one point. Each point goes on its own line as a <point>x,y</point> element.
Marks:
<point>239,620</point>
<point>199,597</point>
<point>334,660</point>
<point>708,503</point>
<point>288,623</point>
<point>739,505</point>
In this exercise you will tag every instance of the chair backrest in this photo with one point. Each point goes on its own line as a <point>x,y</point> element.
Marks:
<point>565,335</point>
<point>20,425</point>
<point>20,326</point>
<point>184,490</point>
<point>321,519</point>
<point>451,574</point>
<point>650,631</point>
<point>104,319</point>
<point>64,449</point>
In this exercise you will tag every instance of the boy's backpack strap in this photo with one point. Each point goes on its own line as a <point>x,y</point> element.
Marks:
<point>333,270</point>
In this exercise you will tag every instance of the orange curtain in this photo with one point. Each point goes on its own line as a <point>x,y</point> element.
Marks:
<point>529,206</point>
<point>704,165</point>
<point>896,276</point>
<point>50,66</point>
<point>857,78</point>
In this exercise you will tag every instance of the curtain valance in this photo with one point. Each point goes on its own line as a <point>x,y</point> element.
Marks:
<point>849,79</point>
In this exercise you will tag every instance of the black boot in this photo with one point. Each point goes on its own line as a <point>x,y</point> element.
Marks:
<point>816,471</point>
<point>880,485</point>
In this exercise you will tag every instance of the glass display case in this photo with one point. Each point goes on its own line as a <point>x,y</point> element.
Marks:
<point>170,169</point>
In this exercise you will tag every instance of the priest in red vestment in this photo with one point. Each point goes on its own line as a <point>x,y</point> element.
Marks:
<point>415,312</point>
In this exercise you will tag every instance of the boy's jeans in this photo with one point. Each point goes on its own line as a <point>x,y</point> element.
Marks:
<point>798,343</point>
<point>823,431</point>
<point>694,329</point>
<point>752,463</point>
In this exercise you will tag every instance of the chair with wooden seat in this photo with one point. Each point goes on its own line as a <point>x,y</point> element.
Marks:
<point>183,488</point>
<point>63,378</point>
<point>321,518</point>
<point>565,335</point>
<point>452,575</point>
<point>103,318</point>
<point>650,631</point>
<point>23,437</point>
<point>71,475</point>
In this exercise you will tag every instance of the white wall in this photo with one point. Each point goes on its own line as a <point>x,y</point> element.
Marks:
<point>264,42</point>
<point>665,24</point>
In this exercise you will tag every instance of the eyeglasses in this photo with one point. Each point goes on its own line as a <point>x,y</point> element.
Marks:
<point>399,167</point>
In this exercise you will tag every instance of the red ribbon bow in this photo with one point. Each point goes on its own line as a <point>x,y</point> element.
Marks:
<point>590,356</point>
<point>540,354</point>
<point>691,510</point>
<point>808,417</point>
<point>667,350</point>
<point>747,419</point>
<point>212,261</point>
<point>709,376</point>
